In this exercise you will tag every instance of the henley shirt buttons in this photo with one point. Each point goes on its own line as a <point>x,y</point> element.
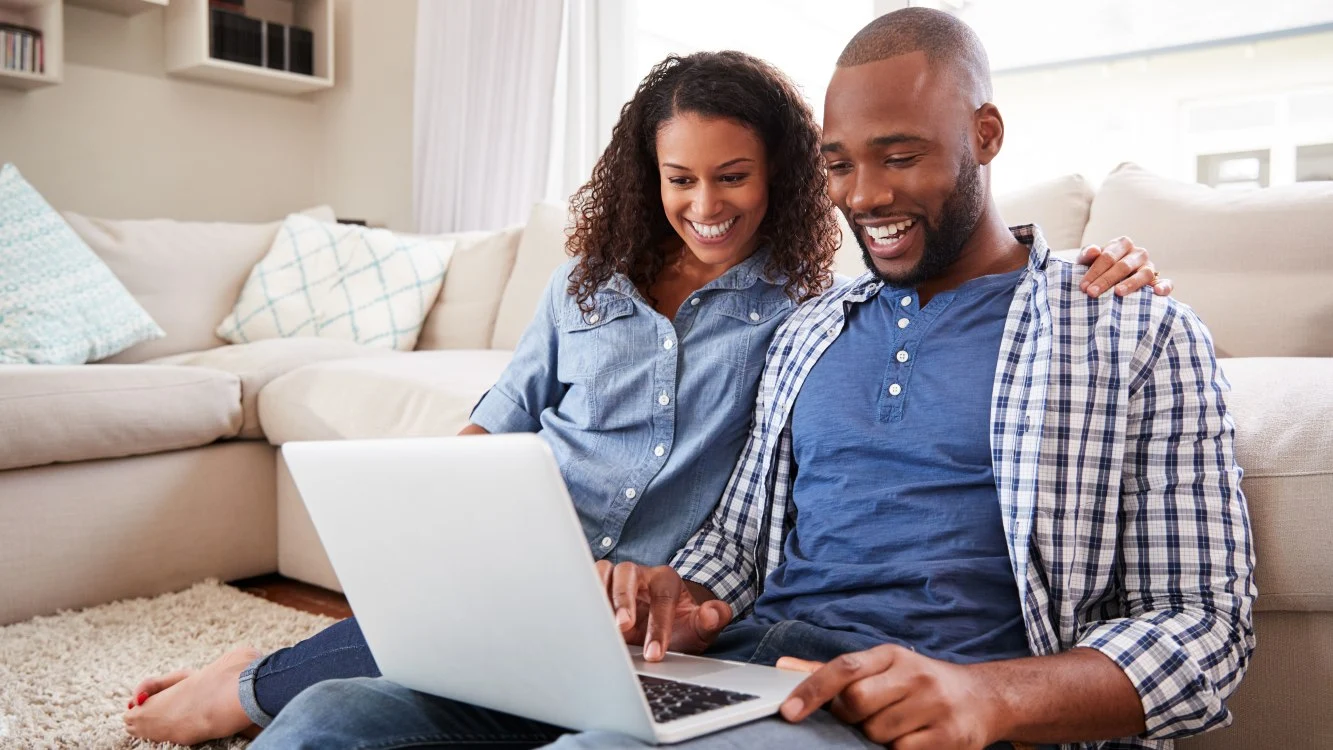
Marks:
<point>663,399</point>
<point>606,542</point>
<point>695,302</point>
<point>902,356</point>
<point>666,344</point>
<point>902,322</point>
<point>630,493</point>
<point>895,389</point>
<point>659,451</point>
<point>905,301</point>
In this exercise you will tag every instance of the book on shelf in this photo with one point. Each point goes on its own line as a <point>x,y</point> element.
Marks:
<point>22,49</point>
<point>238,38</point>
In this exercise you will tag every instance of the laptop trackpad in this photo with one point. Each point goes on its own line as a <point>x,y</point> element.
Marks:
<point>680,666</point>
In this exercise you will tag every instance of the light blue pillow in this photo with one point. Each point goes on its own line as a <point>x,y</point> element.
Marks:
<point>59,303</point>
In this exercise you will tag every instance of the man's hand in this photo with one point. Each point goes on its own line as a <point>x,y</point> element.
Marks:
<point>898,696</point>
<point>1121,265</point>
<point>654,607</point>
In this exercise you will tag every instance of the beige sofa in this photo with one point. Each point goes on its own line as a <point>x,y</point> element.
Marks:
<point>144,476</point>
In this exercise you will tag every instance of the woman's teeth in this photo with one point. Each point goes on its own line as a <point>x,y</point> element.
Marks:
<point>713,231</point>
<point>889,231</point>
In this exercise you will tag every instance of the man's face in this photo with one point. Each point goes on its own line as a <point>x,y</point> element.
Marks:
<point>898,146</point>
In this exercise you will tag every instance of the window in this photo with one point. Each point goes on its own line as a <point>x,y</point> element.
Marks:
<point>1179,87</point>
<point>1314,162</point>
<point>1247,169</point>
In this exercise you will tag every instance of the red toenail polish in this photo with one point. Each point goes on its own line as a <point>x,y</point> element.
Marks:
<point>141,698</point>
<point>131,704</point>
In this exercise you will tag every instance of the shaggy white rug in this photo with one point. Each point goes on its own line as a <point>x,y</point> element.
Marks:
<point>65,679</point>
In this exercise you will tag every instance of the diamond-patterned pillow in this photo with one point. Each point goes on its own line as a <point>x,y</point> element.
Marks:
<point>59,303</point>
<point>340,281</point>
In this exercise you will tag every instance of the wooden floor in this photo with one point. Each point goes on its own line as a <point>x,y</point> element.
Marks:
<point>296,595</point>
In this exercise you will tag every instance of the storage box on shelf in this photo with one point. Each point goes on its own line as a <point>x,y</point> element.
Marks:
<point>188,46</point>
<point>47,17</point>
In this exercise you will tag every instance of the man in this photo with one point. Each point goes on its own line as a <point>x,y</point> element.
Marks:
<point>999,510</point>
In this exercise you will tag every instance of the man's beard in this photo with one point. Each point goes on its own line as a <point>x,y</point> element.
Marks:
<point>944,241</point>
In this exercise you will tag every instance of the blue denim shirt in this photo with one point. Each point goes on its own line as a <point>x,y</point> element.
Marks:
<point>646,416</point>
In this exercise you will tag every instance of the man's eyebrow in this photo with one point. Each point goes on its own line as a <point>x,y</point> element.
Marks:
<point>723,165</point>
<point>881,141</point>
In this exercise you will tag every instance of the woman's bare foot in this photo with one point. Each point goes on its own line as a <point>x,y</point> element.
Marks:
<point>189,707</point>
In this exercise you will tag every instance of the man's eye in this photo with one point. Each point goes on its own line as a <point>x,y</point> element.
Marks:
<point>898,161</point>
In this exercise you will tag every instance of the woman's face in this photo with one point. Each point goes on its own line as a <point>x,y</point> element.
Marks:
<point>714,185</point>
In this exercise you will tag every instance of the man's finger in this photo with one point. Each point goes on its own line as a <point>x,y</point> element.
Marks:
<point>708,620</point>
<point>1164,287</point>
<point>624,594</point>
<point>902,718</point>
<point>604,568</point>
<point>825,684</point>
<point>869,695</point>
<point>1089,255</point>
<point>664,591</point>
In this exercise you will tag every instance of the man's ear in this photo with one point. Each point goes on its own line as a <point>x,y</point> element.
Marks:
<point>990,132</point>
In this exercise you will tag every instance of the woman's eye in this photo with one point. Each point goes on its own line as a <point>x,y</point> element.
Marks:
<point>733,178</point>
<point>839,167</point>
<point>679,181</point>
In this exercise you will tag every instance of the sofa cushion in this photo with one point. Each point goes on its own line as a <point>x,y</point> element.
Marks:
<point>185,274</point>
<point>418,394</point>
<point>464,316</point>
<point>540,251</point>
<point>1253,263</point>
<point>340,281</point>
<point>1283,408</point>
<point>84,412</point>
<point>1059,206</point>
<point>258,363</point>
<point>59,303</point>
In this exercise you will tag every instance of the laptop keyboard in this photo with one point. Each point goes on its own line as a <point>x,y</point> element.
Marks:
<point>671,700</point>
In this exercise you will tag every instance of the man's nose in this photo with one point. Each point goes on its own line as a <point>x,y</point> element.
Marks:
<point>868,193</point>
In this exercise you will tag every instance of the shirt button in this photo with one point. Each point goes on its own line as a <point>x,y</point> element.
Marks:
<point>664,399</point>
<point>695,302</point>
<point>594,318</point>
<point>902,356</point>
<point>606,542</point>
<point>667,344</point>
<point>631,493</point>
<point>895,389</point>
<point>902,322</point>
<point>659,451</point>
<point>905,301</point>
<point>754,316</point>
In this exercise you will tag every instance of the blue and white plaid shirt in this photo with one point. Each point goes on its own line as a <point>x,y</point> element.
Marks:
<point>1114,461</point>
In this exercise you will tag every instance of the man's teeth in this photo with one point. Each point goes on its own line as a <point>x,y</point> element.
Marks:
<point>889,231</point>
<point>713,230</point>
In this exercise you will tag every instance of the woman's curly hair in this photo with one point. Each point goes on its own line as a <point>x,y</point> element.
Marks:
<point>619,222</point>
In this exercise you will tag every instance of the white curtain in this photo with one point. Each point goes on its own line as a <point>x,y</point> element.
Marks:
<point>593,82</point>
<point>485,78</point>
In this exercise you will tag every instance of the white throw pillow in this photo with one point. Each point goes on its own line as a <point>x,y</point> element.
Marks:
<point>340,281</point>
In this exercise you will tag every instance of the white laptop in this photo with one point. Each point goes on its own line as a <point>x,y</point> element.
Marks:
<point>467,569</point>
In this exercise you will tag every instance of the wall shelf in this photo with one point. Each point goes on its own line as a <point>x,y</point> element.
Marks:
<point>48,17</point>
<point>187,46</point>
<point>120,7</point>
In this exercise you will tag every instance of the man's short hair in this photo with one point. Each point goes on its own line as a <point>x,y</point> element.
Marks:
<point>947,42</point>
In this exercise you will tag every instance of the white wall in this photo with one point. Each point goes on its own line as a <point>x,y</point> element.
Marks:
<point>119,138</point>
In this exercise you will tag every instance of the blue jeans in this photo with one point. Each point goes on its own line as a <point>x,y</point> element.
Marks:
<point>375,713</point>
<point>271,682</point>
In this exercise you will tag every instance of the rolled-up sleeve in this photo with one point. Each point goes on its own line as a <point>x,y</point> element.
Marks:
<point>1187,636</point>
<point>530,384</point>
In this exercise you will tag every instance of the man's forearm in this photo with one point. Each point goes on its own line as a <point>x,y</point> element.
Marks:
<point>1079,695</point>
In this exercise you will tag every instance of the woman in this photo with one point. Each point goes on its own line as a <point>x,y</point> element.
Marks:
<point>705,222</point>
